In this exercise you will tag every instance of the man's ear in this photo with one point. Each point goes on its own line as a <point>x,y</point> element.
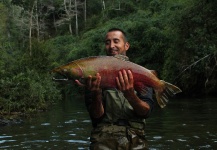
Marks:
<point>127,46</point>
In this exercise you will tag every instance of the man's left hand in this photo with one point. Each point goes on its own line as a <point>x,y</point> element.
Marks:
<point>125,81</point>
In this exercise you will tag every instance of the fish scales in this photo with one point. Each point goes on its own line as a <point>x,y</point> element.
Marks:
<point>109,66</point>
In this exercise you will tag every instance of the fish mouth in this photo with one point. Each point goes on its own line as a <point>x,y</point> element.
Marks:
<point>63,81</point>
<point>60,79</point>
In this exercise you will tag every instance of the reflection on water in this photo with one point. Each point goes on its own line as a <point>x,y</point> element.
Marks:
<point>183,124</point>
<point>65,126</point>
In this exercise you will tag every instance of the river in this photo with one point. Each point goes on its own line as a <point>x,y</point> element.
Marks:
<point>185,124</point>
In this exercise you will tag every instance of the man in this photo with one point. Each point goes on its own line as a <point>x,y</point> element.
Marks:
<point>118,115</point>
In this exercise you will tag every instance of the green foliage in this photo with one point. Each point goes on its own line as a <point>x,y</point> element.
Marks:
<point>195,38</point>
<point>59,49</point>
<point>3,11</point>
<point>25,83</point>
<point>176,38</point>
<point>26,92</point>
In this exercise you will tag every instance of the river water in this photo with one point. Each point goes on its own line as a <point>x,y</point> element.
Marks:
<point>185,124</point>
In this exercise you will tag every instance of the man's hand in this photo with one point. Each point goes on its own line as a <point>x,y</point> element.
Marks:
<point>125,81</point>
<point>92,85</point>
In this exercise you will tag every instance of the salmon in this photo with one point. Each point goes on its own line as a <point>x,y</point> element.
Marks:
<point>109,66</point>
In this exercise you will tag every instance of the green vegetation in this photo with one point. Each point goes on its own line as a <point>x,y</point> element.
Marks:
<point>176,38</point>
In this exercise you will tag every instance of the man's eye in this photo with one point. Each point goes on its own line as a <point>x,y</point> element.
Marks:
<point>116,41</point>
<point>107,42</point>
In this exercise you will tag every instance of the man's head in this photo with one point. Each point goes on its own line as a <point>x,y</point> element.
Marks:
<point>116,42</point>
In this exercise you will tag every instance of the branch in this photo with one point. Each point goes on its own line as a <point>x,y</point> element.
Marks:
<point>193,64</point>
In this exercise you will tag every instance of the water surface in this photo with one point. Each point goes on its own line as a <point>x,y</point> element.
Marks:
<point>184,124</point>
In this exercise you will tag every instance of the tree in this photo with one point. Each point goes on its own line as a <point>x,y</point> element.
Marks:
<point>76,17</point>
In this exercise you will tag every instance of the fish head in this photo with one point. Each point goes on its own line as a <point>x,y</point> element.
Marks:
<point>71,71</point>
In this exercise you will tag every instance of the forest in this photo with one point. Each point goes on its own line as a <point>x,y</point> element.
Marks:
<point>177,38</point>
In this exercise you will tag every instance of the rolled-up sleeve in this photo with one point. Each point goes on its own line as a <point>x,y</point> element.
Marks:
<point>148,98</point>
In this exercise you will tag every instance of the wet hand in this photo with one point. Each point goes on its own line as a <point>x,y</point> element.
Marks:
<point>92,84</point>
<point>125,81</point>
<point>79,83</point>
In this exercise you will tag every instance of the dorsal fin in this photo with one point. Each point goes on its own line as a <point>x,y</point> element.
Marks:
<point>154,72</point>
<point>122,57</point>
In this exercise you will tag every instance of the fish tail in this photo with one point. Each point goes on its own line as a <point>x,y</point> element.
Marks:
<point>168,90</point>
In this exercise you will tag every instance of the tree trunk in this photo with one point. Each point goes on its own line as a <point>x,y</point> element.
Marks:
<point>68,13</point>
<point>103,5</point>
<point>37,21</point>
<point>30,29</point>
<point>85,11</point>
<point>53,15</point>
<point>76,18</point>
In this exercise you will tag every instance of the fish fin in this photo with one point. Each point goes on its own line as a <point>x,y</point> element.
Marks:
<point>154,72</point>
<point>163,94</point>
<point>144,91</point>
<point>139,86</point>
<point>122,57</point>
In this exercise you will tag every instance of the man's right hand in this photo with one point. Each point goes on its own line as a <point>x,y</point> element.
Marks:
<point>92,85</point>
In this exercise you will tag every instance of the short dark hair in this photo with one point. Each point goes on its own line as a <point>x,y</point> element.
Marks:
<point>118,29</point>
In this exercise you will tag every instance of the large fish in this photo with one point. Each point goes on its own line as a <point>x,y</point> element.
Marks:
<point>109,66</point>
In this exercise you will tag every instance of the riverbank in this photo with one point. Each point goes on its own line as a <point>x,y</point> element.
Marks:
<point>9,119</point>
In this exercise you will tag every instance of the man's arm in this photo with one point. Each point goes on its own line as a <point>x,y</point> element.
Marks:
<point>95,106</point>
<point>141,107</point>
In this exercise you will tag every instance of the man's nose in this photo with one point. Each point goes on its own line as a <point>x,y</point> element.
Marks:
<point>112,45</point>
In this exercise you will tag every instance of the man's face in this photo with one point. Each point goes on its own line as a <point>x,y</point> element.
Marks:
<point>115,44</point>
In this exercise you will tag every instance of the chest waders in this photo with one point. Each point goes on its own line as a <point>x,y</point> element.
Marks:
<point>121,128</point>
